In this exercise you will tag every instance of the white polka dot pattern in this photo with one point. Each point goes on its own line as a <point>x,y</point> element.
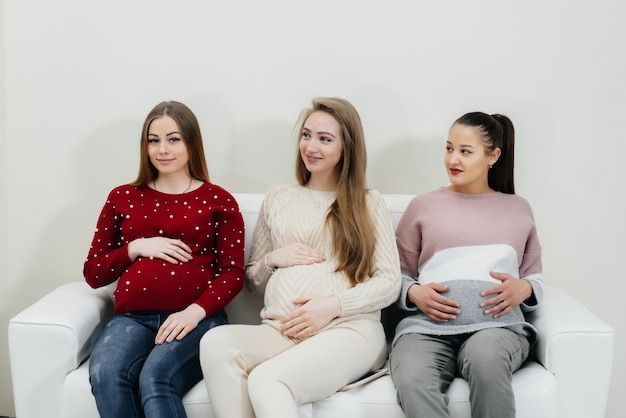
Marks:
<point>206,219</point>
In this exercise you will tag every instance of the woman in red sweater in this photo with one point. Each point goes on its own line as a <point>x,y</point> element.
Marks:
<point>175,244</point>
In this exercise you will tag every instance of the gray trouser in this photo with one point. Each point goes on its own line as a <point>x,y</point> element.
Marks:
<point>423,367</point>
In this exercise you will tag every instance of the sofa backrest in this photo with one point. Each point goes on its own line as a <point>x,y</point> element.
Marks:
<point>246,307</point>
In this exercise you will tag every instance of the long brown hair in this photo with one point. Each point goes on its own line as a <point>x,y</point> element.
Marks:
<point>191,136</point>
<point>349,219</point>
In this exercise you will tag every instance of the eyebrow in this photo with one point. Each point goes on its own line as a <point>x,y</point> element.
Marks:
<point>304,128</point>
<point>462,145</point>
<point>171,133</point>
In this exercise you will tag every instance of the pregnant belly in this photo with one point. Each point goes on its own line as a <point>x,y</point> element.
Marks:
<point>287,284</point>
<point>467,294</point>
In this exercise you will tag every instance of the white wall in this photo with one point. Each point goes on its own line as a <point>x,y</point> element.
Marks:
<point>5,380</point>
<point>79,77</point>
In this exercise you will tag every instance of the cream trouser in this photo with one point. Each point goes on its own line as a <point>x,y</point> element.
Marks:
<point>255,371</point>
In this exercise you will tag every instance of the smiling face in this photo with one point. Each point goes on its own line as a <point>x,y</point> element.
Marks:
<point>166,148</point>
<point>467,160</point>
<point>321,149</point>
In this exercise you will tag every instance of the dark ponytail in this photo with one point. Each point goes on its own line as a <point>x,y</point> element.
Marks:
<point>498,132</point>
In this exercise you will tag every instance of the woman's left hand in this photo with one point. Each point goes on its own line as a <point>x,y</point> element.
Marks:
<point>508,295</point>
<point>179,324</point>
<point>314,312</point>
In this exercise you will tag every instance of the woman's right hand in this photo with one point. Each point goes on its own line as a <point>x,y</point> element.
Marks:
<point>293,255</point>
<point>428,299</point>
<point>171,250</point>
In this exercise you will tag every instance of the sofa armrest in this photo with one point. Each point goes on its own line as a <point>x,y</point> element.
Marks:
<point>577,347</point>
<point>49,339</point>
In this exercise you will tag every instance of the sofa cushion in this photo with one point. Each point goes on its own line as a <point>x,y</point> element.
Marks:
<point>535,391</point>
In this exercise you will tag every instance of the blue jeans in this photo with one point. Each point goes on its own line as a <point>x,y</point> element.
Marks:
<point>131,376</point>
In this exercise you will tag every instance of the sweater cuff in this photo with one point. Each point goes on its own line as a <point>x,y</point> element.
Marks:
<point>403,301</point>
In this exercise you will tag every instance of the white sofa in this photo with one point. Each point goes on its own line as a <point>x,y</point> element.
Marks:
<point>50,342</point>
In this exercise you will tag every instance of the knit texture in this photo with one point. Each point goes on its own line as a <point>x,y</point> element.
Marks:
<point>206,219</point>
<point>457,239</point>
<point>294,213</point>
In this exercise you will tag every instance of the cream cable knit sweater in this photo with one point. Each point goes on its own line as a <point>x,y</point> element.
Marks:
<point>296,214</point>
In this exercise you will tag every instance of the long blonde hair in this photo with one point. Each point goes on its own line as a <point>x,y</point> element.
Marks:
<point>349,219</point>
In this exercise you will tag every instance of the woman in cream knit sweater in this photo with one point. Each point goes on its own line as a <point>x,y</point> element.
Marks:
<point>325,257</point>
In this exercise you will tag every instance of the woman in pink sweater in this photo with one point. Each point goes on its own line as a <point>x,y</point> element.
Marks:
<point>471,267</point>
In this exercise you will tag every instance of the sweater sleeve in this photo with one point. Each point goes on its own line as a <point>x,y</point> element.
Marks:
<point>108,255</point>
<point>257,273</point>
<point>531,268</point>
<point>381,289</point>
<point>409,242</point>
<point>229,277</point>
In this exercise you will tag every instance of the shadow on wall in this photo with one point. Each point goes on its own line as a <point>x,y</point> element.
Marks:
<point>242,158</point>
<point>264,156</point>
<point>398,162</point>
<point>101,159</point>
<point>409,166</point>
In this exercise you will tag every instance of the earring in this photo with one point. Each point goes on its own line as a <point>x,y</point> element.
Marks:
<point>490,166</point>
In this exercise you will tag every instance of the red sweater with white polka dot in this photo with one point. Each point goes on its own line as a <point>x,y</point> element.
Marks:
<point>206,219</point>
